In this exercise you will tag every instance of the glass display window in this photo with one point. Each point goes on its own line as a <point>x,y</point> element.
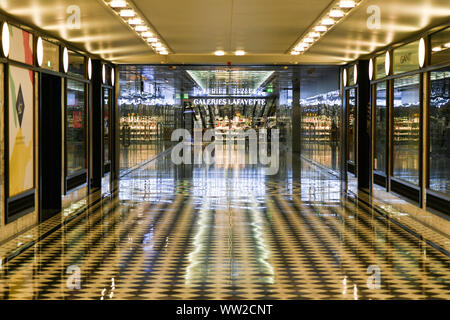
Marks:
<point>440,131</point>
<point>75,128</point>
<point>380,127</point>
<point>351,129</point>
<point>76,64</point>
<point>406,124</point>
<point>440,46</point>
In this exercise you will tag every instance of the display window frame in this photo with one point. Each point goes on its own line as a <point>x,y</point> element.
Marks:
<point>22,203</point>
<point>107,164</point>
<point>350,166</point>
<point>379,177</point>
<point>79,178</point>
<point>421,193</point>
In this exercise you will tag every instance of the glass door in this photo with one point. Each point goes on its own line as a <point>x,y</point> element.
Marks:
<point>107,92</point>
<point>351,134</point>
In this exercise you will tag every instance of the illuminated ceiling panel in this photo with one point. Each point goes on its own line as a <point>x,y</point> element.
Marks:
<point>211,79</point>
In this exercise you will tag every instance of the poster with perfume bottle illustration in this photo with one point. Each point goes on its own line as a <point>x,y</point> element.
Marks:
<point>21,130</point>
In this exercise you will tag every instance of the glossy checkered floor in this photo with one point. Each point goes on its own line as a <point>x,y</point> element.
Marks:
<point>228,233</point>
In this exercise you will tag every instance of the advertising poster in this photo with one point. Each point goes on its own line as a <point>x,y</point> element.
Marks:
<point>21,130</point>
<point>21,45</point>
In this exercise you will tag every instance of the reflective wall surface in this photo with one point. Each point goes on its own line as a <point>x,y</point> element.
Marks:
<point>440,131</point>
<point>321,104</point>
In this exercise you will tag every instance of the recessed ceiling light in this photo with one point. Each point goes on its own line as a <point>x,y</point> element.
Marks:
<point>327,22</point>
<point>156,45</point>
<point>314,34</point>
<point>127,13</point>
<point>301,47</point>
<point>147,34</point>
<point>295,53</point>
<point>219,53</point>
<point>135,21</point>
<point>239,52</point>
<point>447,45</point>
<point>141,28</point>
<point>308,40</point>
<point>347,4</point>
<point>118,4</point>
<point>336,13</point>
<point>436,49</point>
<point>320,28</point>
<point>164,52</point>
<point>151,40</point>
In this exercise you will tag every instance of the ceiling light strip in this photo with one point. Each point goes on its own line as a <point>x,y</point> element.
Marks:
<point>135,20</point>
<point>334,13</point>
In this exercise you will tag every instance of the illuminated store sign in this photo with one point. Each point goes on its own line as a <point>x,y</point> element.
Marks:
<point>228,92</point>
<point>230,101</point>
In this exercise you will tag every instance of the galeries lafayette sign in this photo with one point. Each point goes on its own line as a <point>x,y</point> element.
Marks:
<point>229,101</point>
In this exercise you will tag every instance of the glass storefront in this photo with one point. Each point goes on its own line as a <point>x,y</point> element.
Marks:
<point>351,133</point>
<point>106,125</point>
<point>380,127</point>
<point>440,131</point>
<point>76,127</point>
<point>406,129</point>
<point>320,103</point>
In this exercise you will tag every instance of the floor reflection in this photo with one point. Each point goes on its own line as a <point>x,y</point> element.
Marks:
<point>228,232</point>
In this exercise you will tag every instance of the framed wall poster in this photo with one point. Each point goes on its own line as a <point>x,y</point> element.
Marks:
<point>21,45</point>
<point>20,130</point>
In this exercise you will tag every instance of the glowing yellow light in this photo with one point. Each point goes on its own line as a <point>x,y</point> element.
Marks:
<point>127,13</point>
<point>118,4</point>
<point>5,39</point>
<point>336,13</point>
<point>421,52</point>
<point>347,4</point>
<point>327,22</point>
<point>40,52</point>
<point>66,60</point>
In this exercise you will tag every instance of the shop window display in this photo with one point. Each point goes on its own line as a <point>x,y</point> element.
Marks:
<point>406,129</point>
<point>351,133</point>
<point>440,131</point>
<point>320,102</point>
<point>76,128</point>
<point>380,128</point>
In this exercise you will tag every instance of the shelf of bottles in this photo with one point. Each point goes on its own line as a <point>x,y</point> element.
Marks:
<point>139,129</point>
<point>406,130</point>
